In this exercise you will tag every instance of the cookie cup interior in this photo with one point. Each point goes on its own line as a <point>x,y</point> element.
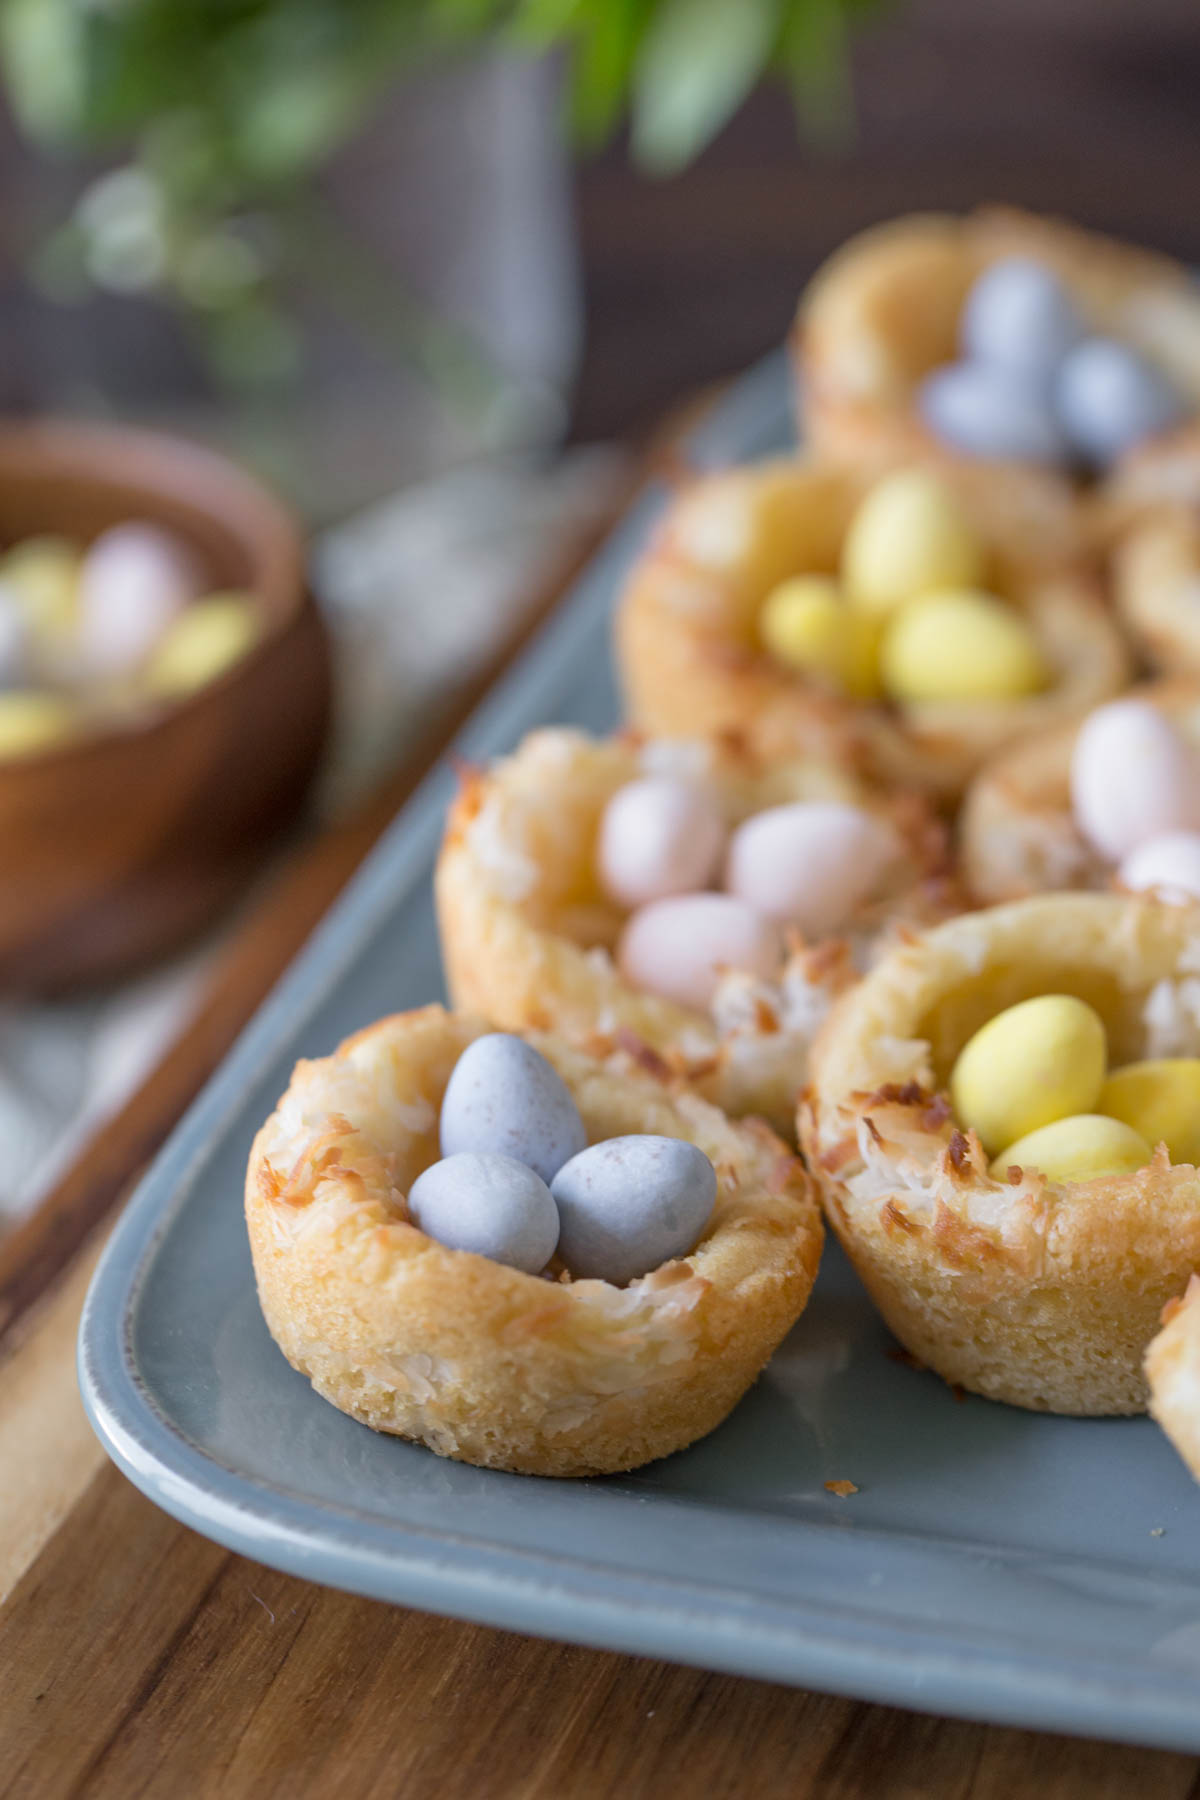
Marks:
<point>691,660</point>
<point>1043,1294</point>
<point>472,1358</point>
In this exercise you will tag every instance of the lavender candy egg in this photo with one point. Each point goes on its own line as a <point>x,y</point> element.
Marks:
<point>990,412</point>
<point>503,1096</point>
<point>658,836</point>
<point>1133,777</point>
<point>679,948</point>
<point>1109,398</point>
<point>630,1204</point>
<point>811,864</point>
<point>15,639</point>
<point>1019,317</point>
<point>490,1204</point>
<point>1168,866</point>
<point>134,582</point>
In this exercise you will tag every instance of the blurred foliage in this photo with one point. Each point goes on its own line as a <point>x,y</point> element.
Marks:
<point>225,106</point>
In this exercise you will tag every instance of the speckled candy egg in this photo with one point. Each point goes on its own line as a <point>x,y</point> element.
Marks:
<point>679,948</point>
<point>631,1204</point>
<point>1168,866</point>
<point>1109,398</point>
<point>491,1204</point>
<point>504,1097</point>
<point>986,411</point>
<point>133,582</point>
<point>658,836</point>
<point>1019,317</point>
<point>1133,778</point>
<point>811,864</point>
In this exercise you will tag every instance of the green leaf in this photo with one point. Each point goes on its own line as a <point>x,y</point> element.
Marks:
<point>698,61</point>
<point>815,57</point>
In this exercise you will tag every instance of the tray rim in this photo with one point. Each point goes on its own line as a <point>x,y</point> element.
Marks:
<point>853,1652</point>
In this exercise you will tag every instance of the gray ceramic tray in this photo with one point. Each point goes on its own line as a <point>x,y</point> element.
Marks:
<point>1038,1571</point>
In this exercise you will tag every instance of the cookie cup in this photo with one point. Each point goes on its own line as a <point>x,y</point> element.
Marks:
<point>1173,1374</point>
<point>1017,833</point>
<point>1043,1294</point>
<point>884,312</point>
<point>476,1360</point>
<point>691,660</point>
<point>528,933</point>
<point>1146,517</point>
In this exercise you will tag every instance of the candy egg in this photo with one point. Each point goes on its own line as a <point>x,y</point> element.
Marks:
<point>630,1204</point>
<point>43,574</point>
<point>987,411</point>
<point>31,721</point>
<point>504,1096</point>
<point>207,638</point>
<point>1080,1148</point>
<point>134,580</point>
<point>811,864</point>
<point>15,637</point>
<point>1033,1063</point>
<point>806,624</point>
<point>908,534</point>
<point>960,644</point>
<point>1133,778</point>
<point>1019,317</point>
<point>1109,398</point>
<point>679,948</point>
<point>1161,1101</point>
<point>491,1204</point>
<point>1169,865</point>
<point>658,836</point>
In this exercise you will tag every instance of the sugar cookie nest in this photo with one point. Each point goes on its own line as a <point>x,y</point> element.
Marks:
<point>1040,1293</point>
<point>884,311</point>
<point>1017,833</point>
<point>474,1359</point>
<point>528,934</point>
<point>687,636</point>
<point>1173,1374</point>
<point>1147,517</point>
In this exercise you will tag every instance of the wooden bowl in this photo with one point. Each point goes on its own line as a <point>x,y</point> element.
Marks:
<point>117,845</point>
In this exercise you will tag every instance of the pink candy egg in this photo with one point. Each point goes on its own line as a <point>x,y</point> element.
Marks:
<point>680,947</point>
<point>1133,778</point>
<point>811,864</point>
<point>134,580</point>
<point>1167,865</point>
<point>658,836</point>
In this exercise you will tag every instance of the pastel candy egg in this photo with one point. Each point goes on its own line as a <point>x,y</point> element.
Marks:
<point>1168,866</point>
<point>1083,1147</point>
<point>1033,1063</point>
<point>1133,778</point>
<point>658,836</point>
<point>134,580</point>
<point>960,644</point>
<point>207,638</point>
<point>1019,316</point>
<point>630,1204</point>
<point>491,1204</point>
<point>32,721</point>
<point>987,411</point>
<point>43,574</point>
<point>811,864</point>
<point>503,1096</point>
<point>1109,399</point>
<point>1161,1101</point>
<point>15,637</point>
<point>908,534</point>
<point>806,625</point>
<point>679,948</point>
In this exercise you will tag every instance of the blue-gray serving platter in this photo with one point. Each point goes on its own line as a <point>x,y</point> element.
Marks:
<point>993,1564</point>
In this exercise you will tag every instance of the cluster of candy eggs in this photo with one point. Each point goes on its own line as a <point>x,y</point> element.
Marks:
<point>1034,385</point>
<point>519,1183</point>
<point>664,841</point>
<point>92,633</point>
<point>1033,1084</point>
<point>1135,793</point>
<point>909,619</point>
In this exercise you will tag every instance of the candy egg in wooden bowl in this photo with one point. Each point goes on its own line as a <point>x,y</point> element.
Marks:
<point>164,693</point>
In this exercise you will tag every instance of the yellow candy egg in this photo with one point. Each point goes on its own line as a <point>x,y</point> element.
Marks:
<point>960,644</point>
<point>1079,1148</point>
<point>806,624</point>
<point>1036,1062</point>
<point>31,721</point>
<point>43,573</point>
<point>207,638</point>
<point>1161,1101</point>
<point>909,535</point>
